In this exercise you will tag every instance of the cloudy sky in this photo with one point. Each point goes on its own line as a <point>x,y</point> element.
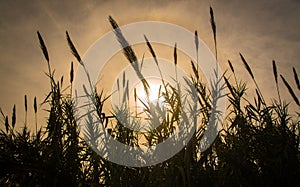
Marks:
<point>262,30</point>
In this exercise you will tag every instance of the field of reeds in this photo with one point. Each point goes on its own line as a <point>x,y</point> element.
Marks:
<point>258,145</point>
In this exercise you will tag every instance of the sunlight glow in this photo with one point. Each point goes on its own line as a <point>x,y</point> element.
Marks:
<point>155,93</point>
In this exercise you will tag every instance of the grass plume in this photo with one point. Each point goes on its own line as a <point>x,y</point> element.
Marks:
<point>196,41</point>
<point>175,54</point>
<point>72,47</point>
<point>43,46</point>
<point>45,52</point>
<point>71,73</point>
<point>127,49</point>
<point>13,118</point>
<point>247,66</point>
<point>35,112</point>
<point>214,29</point>
<point>151,50</point>
<point>25,107</point>
<point>275,73</point>
<point>129,53</point>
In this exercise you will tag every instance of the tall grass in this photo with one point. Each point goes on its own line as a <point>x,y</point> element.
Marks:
<point>258,146</point>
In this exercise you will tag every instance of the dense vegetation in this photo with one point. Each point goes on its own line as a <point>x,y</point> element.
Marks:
<point>258,146</point>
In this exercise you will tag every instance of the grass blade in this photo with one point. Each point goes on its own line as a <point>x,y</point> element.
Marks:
<point>231,66</point>
<point>6,124</point>
<point>61,80</point>
<point>124,79</point>
<point>296,78</point>
<point>290,90</point>
<point>229,86</point>
<point>118,84</point>
<point>135,96</point>
<point>195,70</point>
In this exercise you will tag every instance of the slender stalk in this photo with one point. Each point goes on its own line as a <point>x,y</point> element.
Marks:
<point>276,81</point>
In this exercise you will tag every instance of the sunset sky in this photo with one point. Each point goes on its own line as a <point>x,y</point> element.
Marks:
<point>262,30</point>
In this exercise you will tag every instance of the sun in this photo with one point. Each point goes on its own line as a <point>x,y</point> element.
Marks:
<point>155,97</point>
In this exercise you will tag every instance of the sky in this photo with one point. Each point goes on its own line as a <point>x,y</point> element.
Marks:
<point>261,30</point>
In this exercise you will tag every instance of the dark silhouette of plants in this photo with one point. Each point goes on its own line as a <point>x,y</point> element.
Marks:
<point>258,145</point>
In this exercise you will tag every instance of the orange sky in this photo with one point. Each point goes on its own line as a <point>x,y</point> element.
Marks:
<point>260,29</point>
